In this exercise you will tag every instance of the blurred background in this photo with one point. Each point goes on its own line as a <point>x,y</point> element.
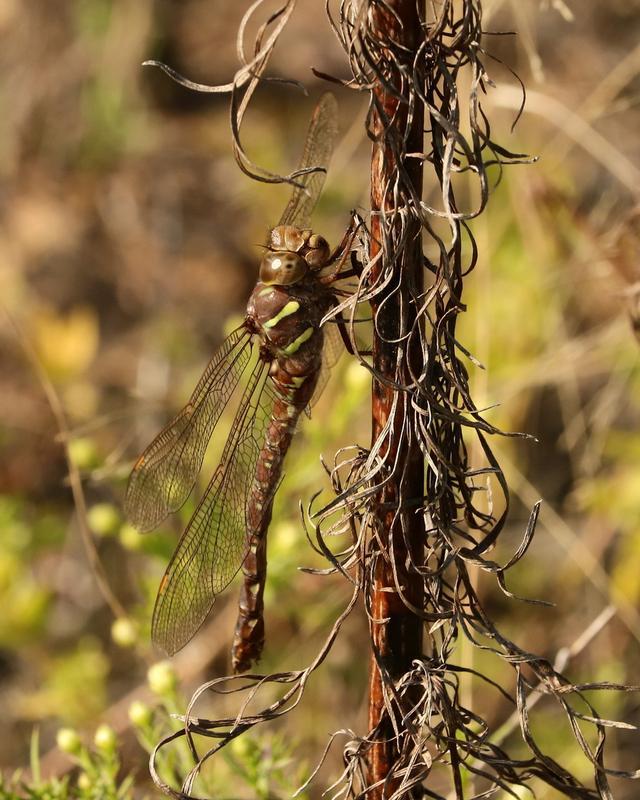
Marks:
<point>129,242</point>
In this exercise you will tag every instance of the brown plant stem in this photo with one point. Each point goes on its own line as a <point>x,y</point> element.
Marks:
<point>397,543</point>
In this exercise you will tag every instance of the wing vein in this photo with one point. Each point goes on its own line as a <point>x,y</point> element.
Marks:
<point>214,544</point>
<point>165,474</point>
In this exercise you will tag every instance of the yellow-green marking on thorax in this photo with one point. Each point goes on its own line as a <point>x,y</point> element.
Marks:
<point>296,344</point>
<point>286,311</point>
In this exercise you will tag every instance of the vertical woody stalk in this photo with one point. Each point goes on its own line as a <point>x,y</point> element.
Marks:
<point>396,251</point>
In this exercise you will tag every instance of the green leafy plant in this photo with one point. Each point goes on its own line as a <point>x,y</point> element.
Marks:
<point>97,776</point>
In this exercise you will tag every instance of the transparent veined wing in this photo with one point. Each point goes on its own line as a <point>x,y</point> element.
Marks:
<point>321,137</point>
<point>332,349</point>
<point>166,472</point>
<point>215,542</point>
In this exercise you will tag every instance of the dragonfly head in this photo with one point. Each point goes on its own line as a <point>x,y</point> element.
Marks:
<point>293,250</point>
<point>282,268</point>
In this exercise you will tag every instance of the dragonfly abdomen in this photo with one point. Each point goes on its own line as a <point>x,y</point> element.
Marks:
<point>292,398</point>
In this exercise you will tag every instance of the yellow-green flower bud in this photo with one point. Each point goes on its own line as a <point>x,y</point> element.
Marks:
<point>124,632</point>
<point>103,519</point>
<point>84,781</point>
<point>105,738</point>
<point>130,538</point>
<point>140,714</point>
<point>83,452</point>
<point>68,741</point>
<point>162,678</point>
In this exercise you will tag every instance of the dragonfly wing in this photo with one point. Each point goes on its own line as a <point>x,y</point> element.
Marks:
<point>215,542</point>
<point>166,472</point>
<point>321,136</point>
<point>331,351</point>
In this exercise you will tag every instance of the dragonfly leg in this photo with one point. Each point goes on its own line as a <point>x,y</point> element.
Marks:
<point>356,268</point>
<point>346,339</point>
<point>347,239</point>
<point>341,252</point>
<point>344,333</point>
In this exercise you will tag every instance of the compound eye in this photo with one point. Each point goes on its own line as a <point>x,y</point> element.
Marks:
<point>282,268</point>
<point>318,253</point>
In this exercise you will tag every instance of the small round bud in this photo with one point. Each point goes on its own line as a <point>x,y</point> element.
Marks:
<point>84,781</point>
<point>68,741</point>
<point>130,538</point>
<point>105,738</point>
<point>162,678</point>
<point>103,519</point>
<point>140,714</point>
<point>124,632</point>
<point>83,453</point>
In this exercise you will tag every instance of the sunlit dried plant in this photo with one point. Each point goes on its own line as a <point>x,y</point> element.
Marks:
<point>414,514</point>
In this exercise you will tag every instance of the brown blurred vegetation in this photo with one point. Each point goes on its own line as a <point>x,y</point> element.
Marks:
<point>128,238</point>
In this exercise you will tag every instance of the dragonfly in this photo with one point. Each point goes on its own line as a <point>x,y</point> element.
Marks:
<point>278,361</point>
